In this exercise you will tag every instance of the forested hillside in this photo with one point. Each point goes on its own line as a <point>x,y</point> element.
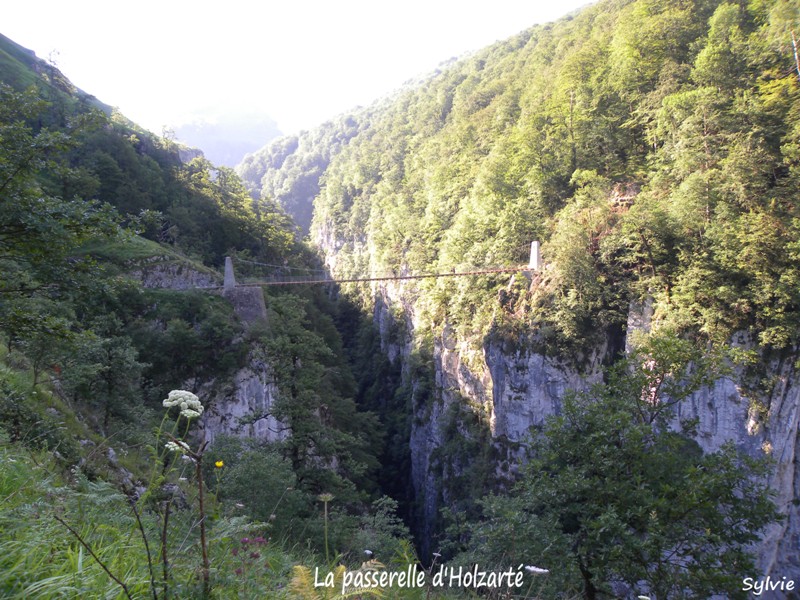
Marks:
<point>619,422</point>
<point>288,171</point>
<point>115,346</point>
<point>651,148</point>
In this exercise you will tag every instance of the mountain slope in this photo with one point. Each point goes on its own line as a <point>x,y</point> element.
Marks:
<point>109,240</point>
<point>652,149</point>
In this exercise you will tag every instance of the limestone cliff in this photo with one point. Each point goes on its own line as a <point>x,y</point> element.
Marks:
<point>166,273</point>
<point>513,390</point>
<point>242,406</point>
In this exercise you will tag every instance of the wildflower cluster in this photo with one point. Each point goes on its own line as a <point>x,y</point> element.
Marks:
<point>178,446</point>
<point>190,405</point>
<point>249,552</point>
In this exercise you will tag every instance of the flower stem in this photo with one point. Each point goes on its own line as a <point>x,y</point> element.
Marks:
<point>199,471</point>
<point>327,558</point>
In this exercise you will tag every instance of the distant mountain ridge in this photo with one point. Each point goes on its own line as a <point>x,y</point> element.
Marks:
<point>225,140</point>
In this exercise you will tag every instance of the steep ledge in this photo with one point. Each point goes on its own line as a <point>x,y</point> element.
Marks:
<point>529,387</point>
<point>157,272</point>
<point>242,406</point>
<point>519,390</point>
<point>244,409</point>
<point>725,413</point>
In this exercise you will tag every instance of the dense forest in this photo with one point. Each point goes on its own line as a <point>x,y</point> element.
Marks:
<point>651,149</point>
<point>654,151</point>
<point>661,138</point>
<point>92,360</point>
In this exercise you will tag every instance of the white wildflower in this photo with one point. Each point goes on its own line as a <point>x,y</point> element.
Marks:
<point>177,447</point>
<point>191,414</point>
<point>536,570</point>
<point>190,405</point>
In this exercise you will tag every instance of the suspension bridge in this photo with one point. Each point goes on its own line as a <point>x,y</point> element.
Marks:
<point>323,277</point>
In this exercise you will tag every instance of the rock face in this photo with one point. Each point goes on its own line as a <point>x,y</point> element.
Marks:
<point>187,155</point>
<point>245,408</point>
<point>244,405</point>
<point>756,426</point>
<point>528,388</point>
<point>516,390</point>
<point>780,553</point>
<point>173,275</point>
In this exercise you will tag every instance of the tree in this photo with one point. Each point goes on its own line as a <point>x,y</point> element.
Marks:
<point>39,232</point>
<point>332,444</point>
<point>103,370</point>
<point>619,500</point>
<point>722,63</point>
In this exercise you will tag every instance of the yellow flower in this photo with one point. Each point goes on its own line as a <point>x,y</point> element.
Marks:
<point>219,464</point>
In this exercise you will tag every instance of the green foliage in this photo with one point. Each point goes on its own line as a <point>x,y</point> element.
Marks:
<point>28,416</point>
<point>287,171</point>
<point>653,148</point>
<point>104,372</point>
<point>258,481</point>
<point>627,501</point>
<point>39,231</point>
<point>41,558</point>
<point>684,114</point>
<point>381,531</point>
<point>316,401</point>
<point>186,336</point>
<point>70,320</point>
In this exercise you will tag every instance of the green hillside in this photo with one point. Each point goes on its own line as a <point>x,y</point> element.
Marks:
<point>107,488</point>
<point>652,148</point>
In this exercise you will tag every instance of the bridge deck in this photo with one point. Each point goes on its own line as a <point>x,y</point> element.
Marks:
<point>320,279</point>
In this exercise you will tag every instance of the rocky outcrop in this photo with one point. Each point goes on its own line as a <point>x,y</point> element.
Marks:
<point>529,387</point>
<point>245,408</point>
<point>519,389</point>
<point>187,154</point>
<point>174,275</point>
<point>726,413</point>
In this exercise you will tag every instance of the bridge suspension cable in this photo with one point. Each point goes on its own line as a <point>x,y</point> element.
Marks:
<point>311,279</point>
<point>321,277</point>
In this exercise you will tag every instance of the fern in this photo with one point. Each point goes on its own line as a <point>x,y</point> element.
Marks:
<point>303,585</point>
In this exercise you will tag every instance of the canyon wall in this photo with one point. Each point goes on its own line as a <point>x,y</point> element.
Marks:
<point>512,390</point>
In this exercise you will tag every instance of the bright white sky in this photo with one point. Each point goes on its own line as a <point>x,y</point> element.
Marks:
<point>301,62</point>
